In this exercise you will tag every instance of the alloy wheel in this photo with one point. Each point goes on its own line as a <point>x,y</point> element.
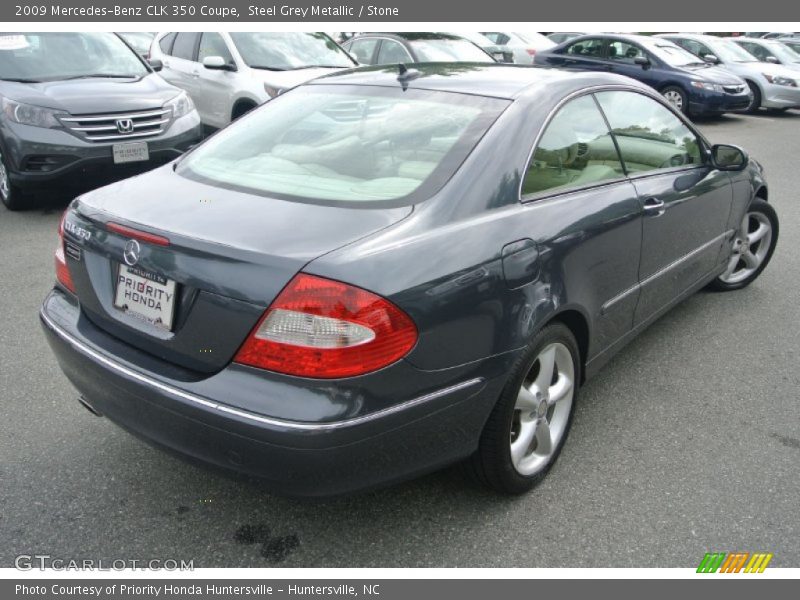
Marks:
<point>5,184</point>
<point>750,248</point>
<point>542,409</point>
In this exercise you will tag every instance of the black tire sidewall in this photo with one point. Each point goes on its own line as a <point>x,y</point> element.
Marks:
<point>492,462</point>
<point>757,205</point>
<point>756,105</point>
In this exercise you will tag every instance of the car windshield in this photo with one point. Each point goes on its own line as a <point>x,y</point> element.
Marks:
<point>346,144</point>
<point>782,52</point>
<point>289,50</point>
<point>448,50</point>
<point>674,55</point>
<point>729,52</point>
<point>34,57</point>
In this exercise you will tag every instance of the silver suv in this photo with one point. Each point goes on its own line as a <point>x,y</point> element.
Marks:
<point>228,74</point>
<point>83,109</point>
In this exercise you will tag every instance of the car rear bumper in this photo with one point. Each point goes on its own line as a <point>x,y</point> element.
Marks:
<point>39,157</point>
<point>299,458</point>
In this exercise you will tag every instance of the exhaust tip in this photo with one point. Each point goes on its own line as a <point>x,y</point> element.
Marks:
<point>87,405</point>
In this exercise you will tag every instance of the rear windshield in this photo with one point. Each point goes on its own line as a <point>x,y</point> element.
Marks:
<point>340,143</point>
<point>447,50</point>
<point>288,51</point>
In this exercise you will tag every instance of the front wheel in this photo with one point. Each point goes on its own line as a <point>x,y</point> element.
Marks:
<point>524,433</point>
<point>755,101</point>
<point>752,247</point>
<point>10,194</point>
<point>677,98</point>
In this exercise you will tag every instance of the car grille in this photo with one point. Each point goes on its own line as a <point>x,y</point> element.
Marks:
<point>734,89</point>
<point>119,126</point>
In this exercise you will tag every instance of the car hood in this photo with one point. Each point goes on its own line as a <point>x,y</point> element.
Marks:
<point>714,75</point>
<point>95,95</point>
<point>756,68</point>
<point>285,80</point>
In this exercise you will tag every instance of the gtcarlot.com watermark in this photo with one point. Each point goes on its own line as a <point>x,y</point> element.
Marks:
<point>43,562</point>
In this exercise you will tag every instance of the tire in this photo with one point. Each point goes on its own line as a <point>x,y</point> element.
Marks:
<point>755,105</point>
<point>677,98</point>
<point>748,259</point>
<point>504,461</point>
<point>10,194</point>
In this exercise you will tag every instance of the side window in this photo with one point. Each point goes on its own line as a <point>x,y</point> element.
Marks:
<point>755,50</point>
<point>648,134</point>
<point>165,43</point>
<point>591,48</point>
<point>575,150</point>
<point>501,39</point>
<point>363,50</point>
<point>212,44</point>
<point>624,52</point>
<point>184,46</point>
<point>392,52</point>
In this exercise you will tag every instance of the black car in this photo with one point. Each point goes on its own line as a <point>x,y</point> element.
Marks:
<point>82,109</point>
<point>388,270</point>
<point>393,48</point>
<point>691,85</point>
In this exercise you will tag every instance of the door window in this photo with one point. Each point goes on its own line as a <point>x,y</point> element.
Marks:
<point>212,44</point>
<point>364,50</point>
<point>392,52</point>
<point>184,45</point>
<point>591,48</point>
<point>165,43</point>
<point>624,52</point>
<point>576,150</point>
<point>648,134</point>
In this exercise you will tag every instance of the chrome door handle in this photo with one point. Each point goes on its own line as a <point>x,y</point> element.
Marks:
<point>654,207</point>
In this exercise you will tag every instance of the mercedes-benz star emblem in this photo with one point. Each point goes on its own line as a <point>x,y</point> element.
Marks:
<point>131,253</point>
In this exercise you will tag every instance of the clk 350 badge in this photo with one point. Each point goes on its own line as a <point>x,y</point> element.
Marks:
<point>77,231</point>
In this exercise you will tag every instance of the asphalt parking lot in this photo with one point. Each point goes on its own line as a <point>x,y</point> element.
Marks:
<point>688,442</point>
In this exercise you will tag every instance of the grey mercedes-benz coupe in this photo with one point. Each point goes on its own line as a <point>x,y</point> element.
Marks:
<point>388,270</point>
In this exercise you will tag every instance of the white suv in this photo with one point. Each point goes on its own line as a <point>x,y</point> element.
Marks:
<point>227,74</point>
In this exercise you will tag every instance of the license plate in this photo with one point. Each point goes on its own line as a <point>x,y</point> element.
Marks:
<point>130,152</point>
<point>145,295</point>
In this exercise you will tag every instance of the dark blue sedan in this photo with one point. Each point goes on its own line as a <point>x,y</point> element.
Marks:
<point>691,85</point>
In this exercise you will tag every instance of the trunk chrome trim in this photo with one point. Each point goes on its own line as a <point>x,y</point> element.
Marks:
<point>209,404</point>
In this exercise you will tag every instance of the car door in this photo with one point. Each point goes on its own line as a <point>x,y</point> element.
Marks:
<point>588,54</point>
<point>575,183</point>
<point>183,65</point>
<point>216,87</point>
<point>685,202</point>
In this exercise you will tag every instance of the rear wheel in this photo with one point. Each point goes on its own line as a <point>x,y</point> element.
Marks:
<point>527,428</point>
<point>752,247</point>
<point>676,97</point>
<point>755,102</point>
<point>10,194</point>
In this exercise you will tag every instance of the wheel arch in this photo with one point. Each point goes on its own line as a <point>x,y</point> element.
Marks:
<point>577,322</point>
<point>239,104</point>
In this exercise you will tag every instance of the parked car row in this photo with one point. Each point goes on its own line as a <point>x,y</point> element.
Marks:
<point>84,108</point>
<point>697,74</point>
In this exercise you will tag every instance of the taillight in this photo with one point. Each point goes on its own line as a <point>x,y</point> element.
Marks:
<point>325,329</point>
<point>531,51</point>
<point>62,270</point>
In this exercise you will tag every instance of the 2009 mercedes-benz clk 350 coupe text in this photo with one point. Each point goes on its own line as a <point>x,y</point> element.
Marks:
<point>388,270</point>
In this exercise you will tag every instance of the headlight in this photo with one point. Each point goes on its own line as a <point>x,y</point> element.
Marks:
<point>780,80</point>
<point>181,105</point>
<point>705,85</point>
<point>28,114</point>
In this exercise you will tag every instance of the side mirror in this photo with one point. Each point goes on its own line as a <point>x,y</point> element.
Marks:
<point>155,64</point>
<point>711,59</point>
<point>772,59</point>
<point>217,63</point>
<point>642,61</point>
<point>728,158</point>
